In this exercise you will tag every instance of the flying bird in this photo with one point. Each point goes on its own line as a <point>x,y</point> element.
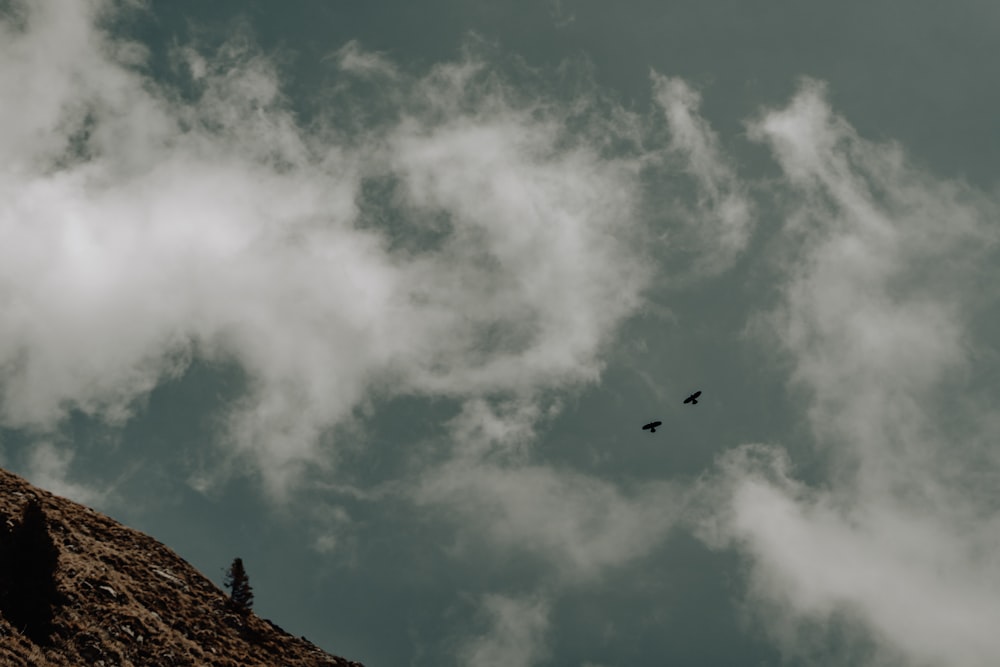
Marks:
<point>693,398</point>
<point>651,426</point>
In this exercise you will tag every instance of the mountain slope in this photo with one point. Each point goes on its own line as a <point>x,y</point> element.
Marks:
<point>127,600</point>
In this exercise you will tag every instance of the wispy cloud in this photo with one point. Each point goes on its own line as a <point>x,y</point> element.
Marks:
<point>719,221</point>
<point>515,636</point>
<point>464,237</point>
<point>460,236</point>
<point>878,319</point>
<point>141,230</point>
<point>577,524</point>
<point>48,466</point>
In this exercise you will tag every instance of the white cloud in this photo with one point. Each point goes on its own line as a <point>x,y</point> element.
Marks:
<point>516,636</point>
<point>334,535</point>
<point>561,18</point>
<point>877,317</point>
<point>48,468</point>
<point>356,60</point>
<point>722,218</point>
<point>578,524</point>
<point>141,230</point>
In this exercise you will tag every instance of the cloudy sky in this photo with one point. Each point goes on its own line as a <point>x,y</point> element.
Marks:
<point>377,296</point>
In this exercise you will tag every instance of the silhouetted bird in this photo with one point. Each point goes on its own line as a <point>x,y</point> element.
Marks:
<point>693,398</point>
<point>651,426</point>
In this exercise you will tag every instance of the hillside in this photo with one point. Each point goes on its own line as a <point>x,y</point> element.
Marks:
<point>127,600</point>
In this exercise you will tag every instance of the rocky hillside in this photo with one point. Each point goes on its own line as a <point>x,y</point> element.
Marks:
<point>119,598</point>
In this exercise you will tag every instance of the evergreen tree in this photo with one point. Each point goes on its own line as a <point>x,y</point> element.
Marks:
<point>240,593</point>
<point>6,559</point>
<point>28,585</point>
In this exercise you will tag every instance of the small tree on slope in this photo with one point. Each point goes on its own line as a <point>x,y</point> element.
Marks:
<point>28,562</point>
<point>240,593</point>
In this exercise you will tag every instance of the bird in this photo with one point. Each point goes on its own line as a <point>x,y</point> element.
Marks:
<point>651,426</point>
<point>693,398</point>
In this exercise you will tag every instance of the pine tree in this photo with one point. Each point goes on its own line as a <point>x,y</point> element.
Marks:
<point>28,588</point>
<point>240,593</point>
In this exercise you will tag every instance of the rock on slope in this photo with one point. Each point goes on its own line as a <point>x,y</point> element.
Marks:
<point>128,600</point>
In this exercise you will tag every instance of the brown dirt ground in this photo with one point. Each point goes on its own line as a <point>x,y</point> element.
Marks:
<point>132,602</point>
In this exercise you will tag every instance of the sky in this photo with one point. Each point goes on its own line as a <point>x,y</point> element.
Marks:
<point>377,296</point>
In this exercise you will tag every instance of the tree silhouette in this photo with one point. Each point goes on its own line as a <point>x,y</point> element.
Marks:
<point>240,593</point>
<point>28,562</point>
